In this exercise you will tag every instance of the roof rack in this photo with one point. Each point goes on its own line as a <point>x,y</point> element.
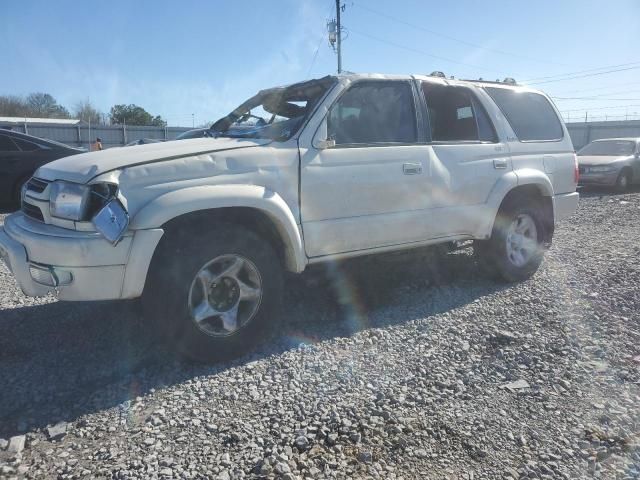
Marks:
<point>506,81</point>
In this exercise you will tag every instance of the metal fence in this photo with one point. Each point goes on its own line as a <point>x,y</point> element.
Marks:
<point>83,135</point>
<point>585,132</point>
<point>119,135</point>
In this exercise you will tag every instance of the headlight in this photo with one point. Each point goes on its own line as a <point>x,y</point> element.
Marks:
<point>68,200</point>
<point>601,169</point>
<point>73,201</point>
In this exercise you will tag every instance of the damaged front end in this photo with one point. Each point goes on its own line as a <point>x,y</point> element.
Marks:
<point>112,220</point>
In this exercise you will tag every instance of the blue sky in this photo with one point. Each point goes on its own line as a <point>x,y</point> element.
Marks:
<point>205,57</point>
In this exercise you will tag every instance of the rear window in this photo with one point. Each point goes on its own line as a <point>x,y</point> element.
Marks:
<point>530,115</point>
<point>26,146</point>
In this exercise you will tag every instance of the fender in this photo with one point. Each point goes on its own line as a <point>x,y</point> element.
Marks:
<point>509,181</point>
<point>179,202</point>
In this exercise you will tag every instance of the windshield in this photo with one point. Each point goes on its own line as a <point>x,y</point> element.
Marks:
<point>614,148</point>
<point>276,113</point>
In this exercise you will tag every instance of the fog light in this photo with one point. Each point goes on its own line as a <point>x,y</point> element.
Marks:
<point>49,276</point>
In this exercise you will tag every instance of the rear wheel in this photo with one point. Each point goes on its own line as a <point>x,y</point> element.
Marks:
<point>624,181</point>
<point>214,296</point>
<point>515,250</point>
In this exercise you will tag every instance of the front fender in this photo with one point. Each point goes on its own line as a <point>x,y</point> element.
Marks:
<point>206,197</point>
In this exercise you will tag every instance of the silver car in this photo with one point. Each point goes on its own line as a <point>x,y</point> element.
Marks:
<point>612,162</point>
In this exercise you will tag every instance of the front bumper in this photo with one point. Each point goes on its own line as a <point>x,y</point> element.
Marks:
<point>84,265</point>
<point>565,205</point>
<point>605,179</point>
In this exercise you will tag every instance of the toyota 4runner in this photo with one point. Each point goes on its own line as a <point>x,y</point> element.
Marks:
<point>317,171</point>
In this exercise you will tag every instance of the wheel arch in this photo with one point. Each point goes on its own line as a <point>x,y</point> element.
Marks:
<point>254,207</point>
<point>526,185</point>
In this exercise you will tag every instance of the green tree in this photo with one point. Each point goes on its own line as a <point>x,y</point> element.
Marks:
<point>45,106</point>
<point>134,115</point>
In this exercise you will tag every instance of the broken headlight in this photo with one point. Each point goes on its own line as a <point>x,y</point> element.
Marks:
<point>69,200</point>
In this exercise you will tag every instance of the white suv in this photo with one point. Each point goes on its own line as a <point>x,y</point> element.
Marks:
<point>316,171</point>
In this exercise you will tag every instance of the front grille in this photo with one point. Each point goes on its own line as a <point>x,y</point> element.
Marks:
<point>32,211</point>
<point>582,169</point>
<point>37,185</point>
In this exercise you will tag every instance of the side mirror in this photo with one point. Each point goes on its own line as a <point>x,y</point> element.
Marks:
<point>323,144</point>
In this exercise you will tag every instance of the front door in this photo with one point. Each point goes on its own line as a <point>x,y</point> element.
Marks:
<point>370,189</point>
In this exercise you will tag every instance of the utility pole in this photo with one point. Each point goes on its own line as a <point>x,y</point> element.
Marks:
<point>339,32</point>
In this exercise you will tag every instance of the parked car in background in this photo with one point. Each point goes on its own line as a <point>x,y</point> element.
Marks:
<point>195,133</point>
<point>143,141</point>
<point>611,162</point>
<point>319,171</point>
<point>20,156</point>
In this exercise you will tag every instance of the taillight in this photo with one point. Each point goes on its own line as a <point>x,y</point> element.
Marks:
<point>576,169</point>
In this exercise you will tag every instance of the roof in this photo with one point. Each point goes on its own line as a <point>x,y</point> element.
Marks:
<point>631,139</point>
<point>23,120</point>
<point>436,79</point>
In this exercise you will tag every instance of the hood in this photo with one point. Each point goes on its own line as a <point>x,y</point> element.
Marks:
<point>601,159</point>
<point>83,167</point>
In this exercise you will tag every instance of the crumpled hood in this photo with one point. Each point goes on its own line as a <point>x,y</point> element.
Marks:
<point>601,159</point>
<point>83,167</point>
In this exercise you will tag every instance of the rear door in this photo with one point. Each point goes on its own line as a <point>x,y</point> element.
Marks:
<point>20,162</point>
<point>10,167</point>
<point>467,156</point>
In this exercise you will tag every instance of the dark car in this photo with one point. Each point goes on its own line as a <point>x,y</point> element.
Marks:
<point>196,133</point>
<point>20,156</point>
<point>143,141</point>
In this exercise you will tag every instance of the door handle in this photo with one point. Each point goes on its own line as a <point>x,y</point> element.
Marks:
<point>411,168</point>
<point>499,164</point>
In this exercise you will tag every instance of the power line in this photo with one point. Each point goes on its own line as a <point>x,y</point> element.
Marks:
<point>422,52</point>
<point>603,95</point>
<point>599,99</point>
<point>532,80</point>
<point>315,55</point>
<point>584,76</point>
<point>449,37</point>
<point>601,108</point>
<point>602,88</point>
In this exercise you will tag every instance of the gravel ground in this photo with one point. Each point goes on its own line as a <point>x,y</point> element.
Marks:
<point>421,369</point>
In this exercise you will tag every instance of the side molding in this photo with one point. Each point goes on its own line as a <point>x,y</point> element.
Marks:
<point>179,202</point>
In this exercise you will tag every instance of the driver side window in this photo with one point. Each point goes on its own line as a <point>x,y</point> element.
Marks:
<point>373,113</point>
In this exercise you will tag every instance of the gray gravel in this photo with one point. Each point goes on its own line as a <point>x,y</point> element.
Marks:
<point>422,369</point>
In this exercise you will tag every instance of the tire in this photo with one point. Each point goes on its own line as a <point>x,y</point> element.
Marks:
<point>188,263</point>
<point>499,258</point>
<point>623,181</point>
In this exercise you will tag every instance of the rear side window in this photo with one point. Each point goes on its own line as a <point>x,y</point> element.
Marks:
<point>530,114</point>
<point>7,145</point>
<point>374,112</point>
<point>455,115</point>
<point>26,146</point>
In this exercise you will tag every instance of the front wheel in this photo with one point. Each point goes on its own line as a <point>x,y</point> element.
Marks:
<point>515,250</point>
<point>214,296</point>
<point>623,181</point>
